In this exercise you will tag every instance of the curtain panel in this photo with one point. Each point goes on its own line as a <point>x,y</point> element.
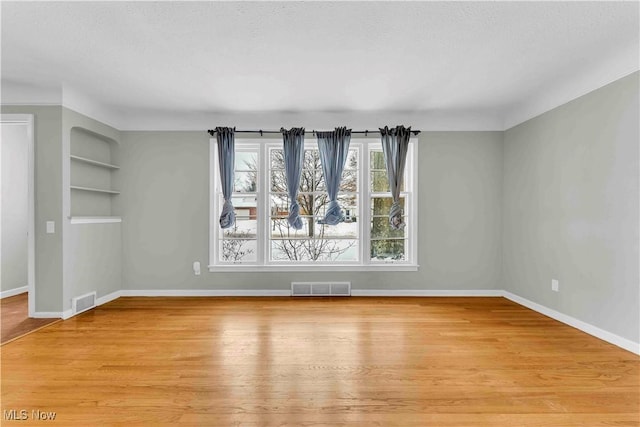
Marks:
<point>395,145</point>
<point>334,149</point>
<point>293,145</point>
<point>226,161</point>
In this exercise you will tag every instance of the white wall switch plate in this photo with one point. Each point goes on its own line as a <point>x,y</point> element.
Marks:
<point>555,285</point>
<point>51,227</point>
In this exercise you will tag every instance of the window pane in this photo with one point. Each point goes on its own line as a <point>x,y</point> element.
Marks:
<point>244,228</point>
<point>312,159</point>
<point>348,202</point>
<point>320,203</point>
<point>311,180</point>
<point>387,250</point>
<point>352,160</point>
<point>340,250</point>
<point>321,186</point>
<point>314,250</point>
<point>382,205</point>
<point>380,182</point>
<point>349,181</point>
<point>238,250</point>
<point>278,181</point>
<point>348,228</point>
<point>376,159</point>
<point>243,206</point>
<point>381,229</point>
<point>245,182</point>
<point>246,160</point>
<point>276,159</point>
<point>280,229</point>
<point>292,250</point>
<point>280,204</point>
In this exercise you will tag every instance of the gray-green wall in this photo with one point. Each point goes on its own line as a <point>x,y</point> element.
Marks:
<point>571,198</point>
<point>48,203</point>
<point>165,206</point>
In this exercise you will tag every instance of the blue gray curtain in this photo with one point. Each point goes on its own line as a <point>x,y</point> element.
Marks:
<point>226,161</point>
<point>395,145</point>
<point>293,143</point>
<point>333,148</point>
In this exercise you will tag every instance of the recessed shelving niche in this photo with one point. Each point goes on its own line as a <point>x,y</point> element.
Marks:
<point>92,167</point>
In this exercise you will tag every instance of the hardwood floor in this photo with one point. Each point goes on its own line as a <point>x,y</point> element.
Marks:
<point>14,315</point>
<point>319,361</point>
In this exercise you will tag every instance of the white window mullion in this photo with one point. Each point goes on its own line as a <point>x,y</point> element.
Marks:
<point>266,201</point>
<point>265,206</point>
<point>213,202</point>
<point>365,204</point>
<point>412,209</point>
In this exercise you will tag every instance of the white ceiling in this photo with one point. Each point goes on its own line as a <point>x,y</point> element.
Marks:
<point>195,65</point>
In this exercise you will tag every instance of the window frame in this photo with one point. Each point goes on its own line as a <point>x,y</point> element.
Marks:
<point>364,147</point>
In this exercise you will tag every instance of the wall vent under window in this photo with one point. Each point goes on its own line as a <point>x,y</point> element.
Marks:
<point>318,289</point>
<point>83,302</point>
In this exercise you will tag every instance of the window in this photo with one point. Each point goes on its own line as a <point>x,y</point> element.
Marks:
<point>240,242</point>
<point>262,239</point>
<point>315,242</point>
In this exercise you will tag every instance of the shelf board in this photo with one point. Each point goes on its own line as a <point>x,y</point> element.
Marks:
<point>95,190</point>
<point>94,219</point>
<point>94,162</point>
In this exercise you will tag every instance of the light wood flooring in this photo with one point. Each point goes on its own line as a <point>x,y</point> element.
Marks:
<point>319,362</point>
<point>14,318</point>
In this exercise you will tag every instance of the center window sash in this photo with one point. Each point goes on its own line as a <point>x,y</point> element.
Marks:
<point>315,243</point>
<point>261,239</point>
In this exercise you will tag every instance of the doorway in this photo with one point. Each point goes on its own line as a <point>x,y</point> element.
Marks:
<point>17,213</point>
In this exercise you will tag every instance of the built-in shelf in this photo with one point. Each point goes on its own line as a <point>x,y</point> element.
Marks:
<point>94,219</point>
<point>92,167</point>
<point>94,162</point>
<point>95,190</point>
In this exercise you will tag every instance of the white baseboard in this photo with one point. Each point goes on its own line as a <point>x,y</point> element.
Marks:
<point>13,292</point>
<point>607,336</point>
<point>206,293</point>
<point>425,293</point>
<point>109,297</point>
<point>47,315</point>
<point>287,292</point>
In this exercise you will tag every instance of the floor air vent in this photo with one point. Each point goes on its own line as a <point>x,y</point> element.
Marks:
<point>83,302</point>
<point>319,289</point>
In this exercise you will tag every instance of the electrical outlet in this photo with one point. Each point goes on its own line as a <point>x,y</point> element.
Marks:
<point>196,268</point>
<point>555,285</point>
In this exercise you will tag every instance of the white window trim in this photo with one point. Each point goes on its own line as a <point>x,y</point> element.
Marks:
<point>364,263</point>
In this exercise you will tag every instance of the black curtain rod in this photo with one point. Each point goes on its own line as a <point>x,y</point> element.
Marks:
<point>262,132</point>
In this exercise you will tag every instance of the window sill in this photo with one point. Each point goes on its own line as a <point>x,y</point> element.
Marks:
<point>293,268</point>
